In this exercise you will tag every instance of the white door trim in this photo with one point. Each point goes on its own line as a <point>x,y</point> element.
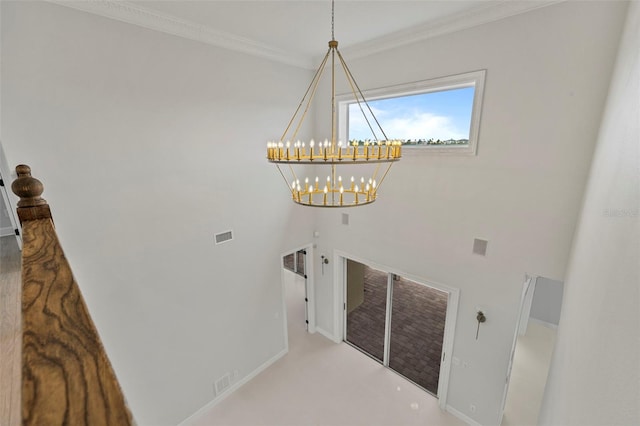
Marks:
<point>339,292</point>
<point>447,345</point>
<point>526,302</point>
<point>285,317</point>
<point>309,290</point>
<point>7,176</point>
<point>523,318</point>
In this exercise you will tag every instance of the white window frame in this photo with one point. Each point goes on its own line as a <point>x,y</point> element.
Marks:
<point>471,79</point>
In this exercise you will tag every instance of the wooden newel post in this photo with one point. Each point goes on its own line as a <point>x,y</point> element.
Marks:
<point>67,378</point>
<point>31,205</point>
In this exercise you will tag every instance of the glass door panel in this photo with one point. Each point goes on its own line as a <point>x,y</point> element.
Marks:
<point>417,331</point>
<point>366,308</point>
<point>288,262</point>
<point>295,262</point>
<point>301,268</point>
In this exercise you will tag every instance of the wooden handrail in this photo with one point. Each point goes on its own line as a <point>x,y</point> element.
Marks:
<point>67,378</point>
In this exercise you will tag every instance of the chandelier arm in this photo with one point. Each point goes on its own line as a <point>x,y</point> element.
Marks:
<point>293,174</point>
<point>314,83</point>
<point>333,184</point>
<point>333,95</point>
<point>384,176</point>
<point>348,71</point>
<point>354,91</point>
<point>375,172</point>
<point>313,80</point>
<point>283,177</point>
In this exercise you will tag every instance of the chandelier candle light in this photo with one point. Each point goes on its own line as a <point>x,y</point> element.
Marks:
<point>380,153</point>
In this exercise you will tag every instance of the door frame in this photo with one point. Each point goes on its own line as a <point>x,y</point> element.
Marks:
<point>6,175</point>
<point>339,299</point>
<point>526,302</point>
<point>526,298</point>
<point>309,287</point>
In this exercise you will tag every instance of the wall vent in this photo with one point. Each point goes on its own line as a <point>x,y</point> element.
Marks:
<point>480,247</point>
<point>223,237</point>
<point>222,384</point>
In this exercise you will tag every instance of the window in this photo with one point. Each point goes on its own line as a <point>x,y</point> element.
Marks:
<point>439,116</point>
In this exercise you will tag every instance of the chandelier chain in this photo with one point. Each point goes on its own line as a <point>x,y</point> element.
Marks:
<point>333,36</point>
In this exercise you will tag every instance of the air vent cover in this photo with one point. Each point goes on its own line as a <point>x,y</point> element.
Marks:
<point>480,247</point>
<point>223,237</point>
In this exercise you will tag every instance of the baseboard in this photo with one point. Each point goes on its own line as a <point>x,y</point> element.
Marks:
<point>5,232</point>
<point>468,420</point>
<point>544,323</point>
<point>326,334</point>
<point>233,388</point>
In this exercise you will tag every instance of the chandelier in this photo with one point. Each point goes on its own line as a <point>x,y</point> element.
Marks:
<point>378,153</point>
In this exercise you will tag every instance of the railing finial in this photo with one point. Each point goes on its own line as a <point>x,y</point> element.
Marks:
<point>27,188</point>
<point>31,205</point>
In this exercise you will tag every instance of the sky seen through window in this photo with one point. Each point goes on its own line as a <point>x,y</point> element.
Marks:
<point>442,115</point>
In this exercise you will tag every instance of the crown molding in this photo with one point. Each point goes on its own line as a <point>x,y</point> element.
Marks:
<point>147,18</point>
<point>494,11</point>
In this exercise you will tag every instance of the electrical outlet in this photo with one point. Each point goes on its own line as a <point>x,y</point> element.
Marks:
<point>472,408</point>
<point>222,384</point>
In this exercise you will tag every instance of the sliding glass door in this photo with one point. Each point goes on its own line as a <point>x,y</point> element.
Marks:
<point>366,308</point>
<point>397,321</point>
<point>417,331</point>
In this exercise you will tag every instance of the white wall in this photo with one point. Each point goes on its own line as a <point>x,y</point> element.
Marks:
<point>547,77</point>
<point>147,145</point>
<point>595,370</point>
<point>122,123</point>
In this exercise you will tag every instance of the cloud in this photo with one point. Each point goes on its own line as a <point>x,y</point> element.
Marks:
<point>407,125</point>
<point>422,126</point>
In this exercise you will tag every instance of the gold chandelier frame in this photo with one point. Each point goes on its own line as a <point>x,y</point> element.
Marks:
<point>379,152</point>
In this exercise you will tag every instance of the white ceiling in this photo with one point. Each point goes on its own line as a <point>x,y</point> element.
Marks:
<point>303,27</point>
<point>297,31</point>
